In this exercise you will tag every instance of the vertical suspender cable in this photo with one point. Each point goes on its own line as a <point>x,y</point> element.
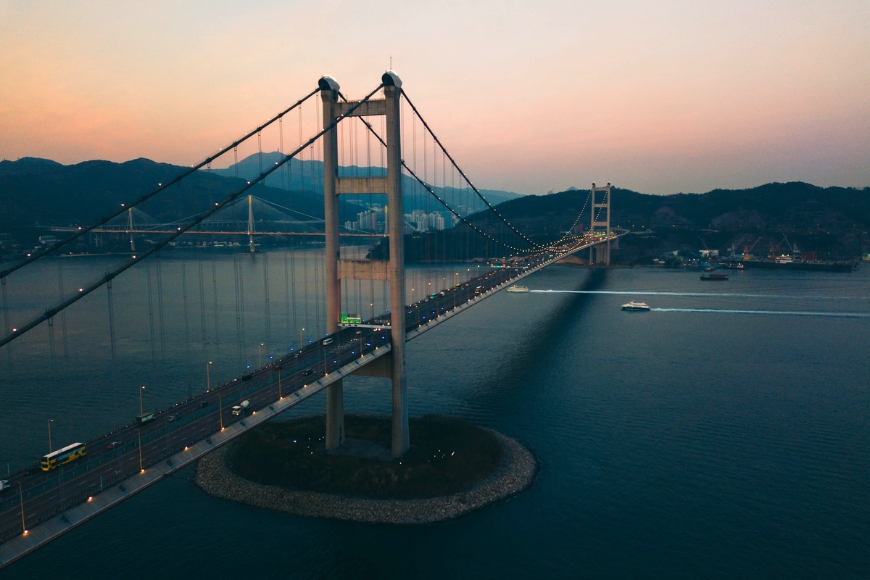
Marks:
<point>114,352</point>
<point>151,321</point>
<point>186,322</point>
<point>285,173</point>
<point>238,313</point>
<point>202,311</point>
<point>260,154</point>
<point>305,294</point>
<point>54,377</point>
<point>287,325</point>
<point>161,318</point>
<point>242,302</point>
<point>301,155</point>
<point>267,306</point>
<point>63,335</point>
<point>217,335</point>
<point>293,291</point>
<point>317,319</point>
<point>6,326</point>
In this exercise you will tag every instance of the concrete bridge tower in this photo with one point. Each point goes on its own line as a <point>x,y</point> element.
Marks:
<point>393,270</point>
<point>600,254</point>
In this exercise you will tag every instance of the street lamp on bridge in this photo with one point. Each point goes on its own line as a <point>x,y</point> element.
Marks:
<point>207,377</point>
<point>259,356</point>
<point>142,388</point>
<point>21,500</point>
<point>50,421</point>
<point>139,438</point>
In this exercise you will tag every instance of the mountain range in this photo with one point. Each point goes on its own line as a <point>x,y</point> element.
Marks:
<point>39,192</point>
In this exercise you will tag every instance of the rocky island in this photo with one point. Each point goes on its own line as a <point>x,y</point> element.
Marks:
<point>453,467</point>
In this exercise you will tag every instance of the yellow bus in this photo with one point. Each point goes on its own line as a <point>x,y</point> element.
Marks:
<point>61,456</point>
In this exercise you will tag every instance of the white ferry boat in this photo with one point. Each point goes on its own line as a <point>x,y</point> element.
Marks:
<point>516,288</point>
<point>639,306</point>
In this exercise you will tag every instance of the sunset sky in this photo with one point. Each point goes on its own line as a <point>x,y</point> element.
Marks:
<point>659,97</point>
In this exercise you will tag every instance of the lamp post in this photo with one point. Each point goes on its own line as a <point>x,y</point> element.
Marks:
<point>139,437</point>
<point>280,394</point>
<point>221,411</point>
<point>142,388</point>
<point>21,499</point>
<point>259,356</point>
<point>207,377</point>
<point>301,333</point>
<point>50,421</point>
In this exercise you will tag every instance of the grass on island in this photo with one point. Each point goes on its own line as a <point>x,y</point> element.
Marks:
<point>447,455</point>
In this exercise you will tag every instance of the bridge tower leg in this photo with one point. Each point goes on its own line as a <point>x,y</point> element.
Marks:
<point>396,226</point>
<point>599,205</point>
<point>334,392</point>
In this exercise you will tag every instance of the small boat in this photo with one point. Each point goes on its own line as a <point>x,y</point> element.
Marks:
<point>636,306</point>
<point>516,288</point>
<point>709,277</point>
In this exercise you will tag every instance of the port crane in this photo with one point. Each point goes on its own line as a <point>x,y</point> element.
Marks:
<point>791,248</point>
<point>734,246</point>
<point>747,249</point>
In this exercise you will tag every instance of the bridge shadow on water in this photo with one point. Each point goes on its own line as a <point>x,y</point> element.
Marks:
<point>526,361</point>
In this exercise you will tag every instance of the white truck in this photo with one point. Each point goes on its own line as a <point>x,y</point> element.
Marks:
<point>241,407</point>
<point>4,485</point>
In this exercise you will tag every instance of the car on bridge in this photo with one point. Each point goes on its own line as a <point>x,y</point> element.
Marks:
<point>114,445</point>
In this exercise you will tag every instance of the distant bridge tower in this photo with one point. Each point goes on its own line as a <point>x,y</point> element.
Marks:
<point>251,223</point>
<point>130,228</point>
<point>393,270</point>
<point>600,254</point>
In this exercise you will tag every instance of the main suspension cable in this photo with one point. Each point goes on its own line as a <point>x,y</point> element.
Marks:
<point>465,177</point>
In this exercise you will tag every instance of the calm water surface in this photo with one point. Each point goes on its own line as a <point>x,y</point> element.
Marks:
<point>678,443</point>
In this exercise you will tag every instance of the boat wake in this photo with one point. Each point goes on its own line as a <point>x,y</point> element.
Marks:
<point>714,294</point>
<point>768,312</point>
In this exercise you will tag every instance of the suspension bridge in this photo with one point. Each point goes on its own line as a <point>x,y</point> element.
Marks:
<point>362,275</point>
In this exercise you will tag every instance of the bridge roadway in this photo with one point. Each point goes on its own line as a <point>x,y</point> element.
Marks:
<point>195,422</point>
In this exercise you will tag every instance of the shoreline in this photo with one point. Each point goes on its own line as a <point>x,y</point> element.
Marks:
<point>515,473</point>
